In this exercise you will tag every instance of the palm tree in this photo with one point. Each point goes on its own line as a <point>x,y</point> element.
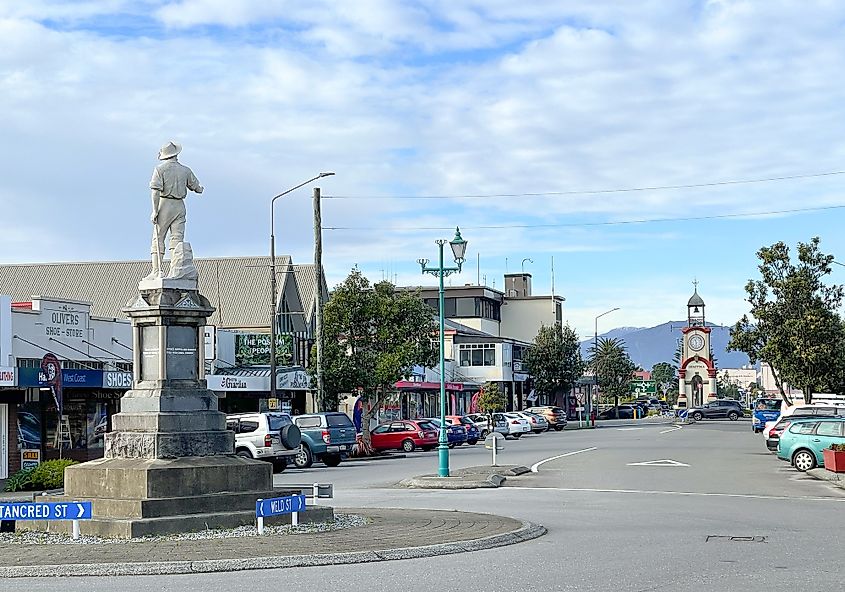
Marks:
<point>613,368</point>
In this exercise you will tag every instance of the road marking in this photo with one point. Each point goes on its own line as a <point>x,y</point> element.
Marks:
<point>627,429</point>
<point>672,429</point>
<point>535,468</point>
<point>658,463</point>
<point>684,493</point>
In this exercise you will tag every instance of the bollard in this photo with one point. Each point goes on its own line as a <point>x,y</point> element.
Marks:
<point>76,530</point>
<point>260,521</point>
<point>316,491</point>
<point>294,519</point>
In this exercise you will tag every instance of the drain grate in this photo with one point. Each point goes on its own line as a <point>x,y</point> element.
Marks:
<point>735,539</point>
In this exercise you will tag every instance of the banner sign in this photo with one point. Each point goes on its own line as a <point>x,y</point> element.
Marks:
<point>51,368</point>
<point>117,380</point>
<point>253,349</point>
<point>7,376</point>
<point>224,382</point>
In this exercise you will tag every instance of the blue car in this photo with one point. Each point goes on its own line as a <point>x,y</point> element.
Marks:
<point>456,434</point>
<point>763,411</point>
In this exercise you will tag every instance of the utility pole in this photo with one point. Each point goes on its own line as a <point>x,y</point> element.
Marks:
<point>318,295</point>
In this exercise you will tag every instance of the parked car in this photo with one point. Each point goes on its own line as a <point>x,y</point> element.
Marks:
<point>620,412</point>
<point>473,433</point>
<point>481,421</point>
<point>326,437</point>
<point>406,435</point>
<point>774,429</point>
<point>456,435</point>
<point>762,411</point>
<point>516,425</point>
<point>556,416</point>
<point>537,422</point>
<point>719,408</point>
<point>803,441</point>
<point>270,436</point>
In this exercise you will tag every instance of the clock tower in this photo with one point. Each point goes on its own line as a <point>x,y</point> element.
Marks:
<point>697,374</point>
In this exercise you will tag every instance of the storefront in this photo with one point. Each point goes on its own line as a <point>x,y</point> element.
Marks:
<point>10,396</point>
<point>422,399</point>
<point>248,389</point>
<point>89,399</point>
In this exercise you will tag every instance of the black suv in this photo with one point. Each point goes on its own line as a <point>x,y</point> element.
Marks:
<point>715,409</point>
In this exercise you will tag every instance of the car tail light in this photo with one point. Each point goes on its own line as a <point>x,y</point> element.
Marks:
<point>268,441</point>
<point>326,437</point>
<point>515,422</point>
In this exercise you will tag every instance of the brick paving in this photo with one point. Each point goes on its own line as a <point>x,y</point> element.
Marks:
<point>386,530</point>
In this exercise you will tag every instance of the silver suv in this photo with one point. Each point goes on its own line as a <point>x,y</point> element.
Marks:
<point>265,436</point>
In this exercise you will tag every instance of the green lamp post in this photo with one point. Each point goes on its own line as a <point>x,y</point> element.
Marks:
<point>459,247</point>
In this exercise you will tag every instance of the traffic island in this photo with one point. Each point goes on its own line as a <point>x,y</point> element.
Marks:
<point>483,477</point>
<point>377,535</point>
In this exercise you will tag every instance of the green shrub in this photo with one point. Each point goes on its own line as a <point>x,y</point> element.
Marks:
<point>20,481</point>
<point>837,447</point>
<point>51,474</point>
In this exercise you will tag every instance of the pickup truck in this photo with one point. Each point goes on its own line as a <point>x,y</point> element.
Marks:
<point>327,437</point>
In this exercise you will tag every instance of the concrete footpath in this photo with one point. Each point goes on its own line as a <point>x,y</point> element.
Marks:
<point>835,479</point>
<point>388,534</point>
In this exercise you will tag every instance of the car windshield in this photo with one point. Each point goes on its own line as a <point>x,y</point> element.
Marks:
<point>338,421</point>
<point>277,422</point>
<point>767,405</point>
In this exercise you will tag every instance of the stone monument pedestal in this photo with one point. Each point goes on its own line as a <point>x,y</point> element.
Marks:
<point>169,462</point>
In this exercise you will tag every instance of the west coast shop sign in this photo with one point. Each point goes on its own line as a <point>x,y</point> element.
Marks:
<point>33,377</point>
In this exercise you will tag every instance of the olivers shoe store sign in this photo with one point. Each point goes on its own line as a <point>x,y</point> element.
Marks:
<point>253,349</point>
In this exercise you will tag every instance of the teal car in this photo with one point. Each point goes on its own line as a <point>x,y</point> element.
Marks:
<point>803,441</point>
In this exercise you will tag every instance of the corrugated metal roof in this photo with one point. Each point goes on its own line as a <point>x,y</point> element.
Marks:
<point>237,287</point>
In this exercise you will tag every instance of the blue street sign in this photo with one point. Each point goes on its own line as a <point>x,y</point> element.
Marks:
<point>280,505</point>
<point>682,414</point>
<point>46,511</point>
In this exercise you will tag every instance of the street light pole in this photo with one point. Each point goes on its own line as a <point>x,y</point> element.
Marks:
<point>459,246</point>
<point>273,303</point>
<point>595,350</point>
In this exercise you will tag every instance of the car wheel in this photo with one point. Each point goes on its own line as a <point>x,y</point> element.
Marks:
<point>472,442</point>
<point>733,415</point>
<point>697,416</point>
<point>279,465</point>
<point>804,460</point>
<point>331,460</point>
<point>244,453</point>
<point>484,433</point>
<point>517,436</point>
<point>427,448</point>
<point>558,428</point>
<point>303,458</point>
<point>451,445</point>
<point>408,445</point>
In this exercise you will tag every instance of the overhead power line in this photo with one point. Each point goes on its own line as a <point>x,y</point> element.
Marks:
<point>586,224</point>
<point>595,191</point>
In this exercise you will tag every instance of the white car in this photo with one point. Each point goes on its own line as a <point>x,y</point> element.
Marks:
<point>516,425</point>
<point>539,424</point>
<point>479,420</point>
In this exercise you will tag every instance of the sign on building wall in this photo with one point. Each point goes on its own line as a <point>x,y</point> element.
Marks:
<point>117,380</point>
<point>253,349</point>
<point>7,376</point>
<point>294,380</point>
<point>66,322</point>
<point>223,383</point>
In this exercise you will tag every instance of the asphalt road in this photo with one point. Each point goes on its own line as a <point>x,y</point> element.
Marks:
<point>726,515</point>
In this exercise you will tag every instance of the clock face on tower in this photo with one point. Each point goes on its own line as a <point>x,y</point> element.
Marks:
<point>696,342</point>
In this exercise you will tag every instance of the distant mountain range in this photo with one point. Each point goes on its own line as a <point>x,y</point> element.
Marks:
<point>649,345</point>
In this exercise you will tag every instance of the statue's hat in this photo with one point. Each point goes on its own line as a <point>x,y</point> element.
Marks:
<point>169,150</point>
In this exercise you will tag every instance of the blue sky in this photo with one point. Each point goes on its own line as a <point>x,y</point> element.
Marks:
<point>438,98</point>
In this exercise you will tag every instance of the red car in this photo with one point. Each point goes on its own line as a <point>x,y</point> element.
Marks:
<point>404,435</point>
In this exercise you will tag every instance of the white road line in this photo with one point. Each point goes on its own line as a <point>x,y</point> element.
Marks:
<point>627,429</point>
<point>687,493</point>
<point>672,429</point>
<point>535,468</point>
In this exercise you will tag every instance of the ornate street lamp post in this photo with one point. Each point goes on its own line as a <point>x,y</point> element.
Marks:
<point>459,247</point>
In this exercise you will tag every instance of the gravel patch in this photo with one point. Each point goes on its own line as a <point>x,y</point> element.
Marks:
<point>341,522</point>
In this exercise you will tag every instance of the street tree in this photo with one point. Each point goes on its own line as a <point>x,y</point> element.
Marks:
<point>613,368</point>
<point>373,336</point>
<point>554,361</point>
<point>490,401</point>
<point>665,377</point>
<point>793,323</point>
